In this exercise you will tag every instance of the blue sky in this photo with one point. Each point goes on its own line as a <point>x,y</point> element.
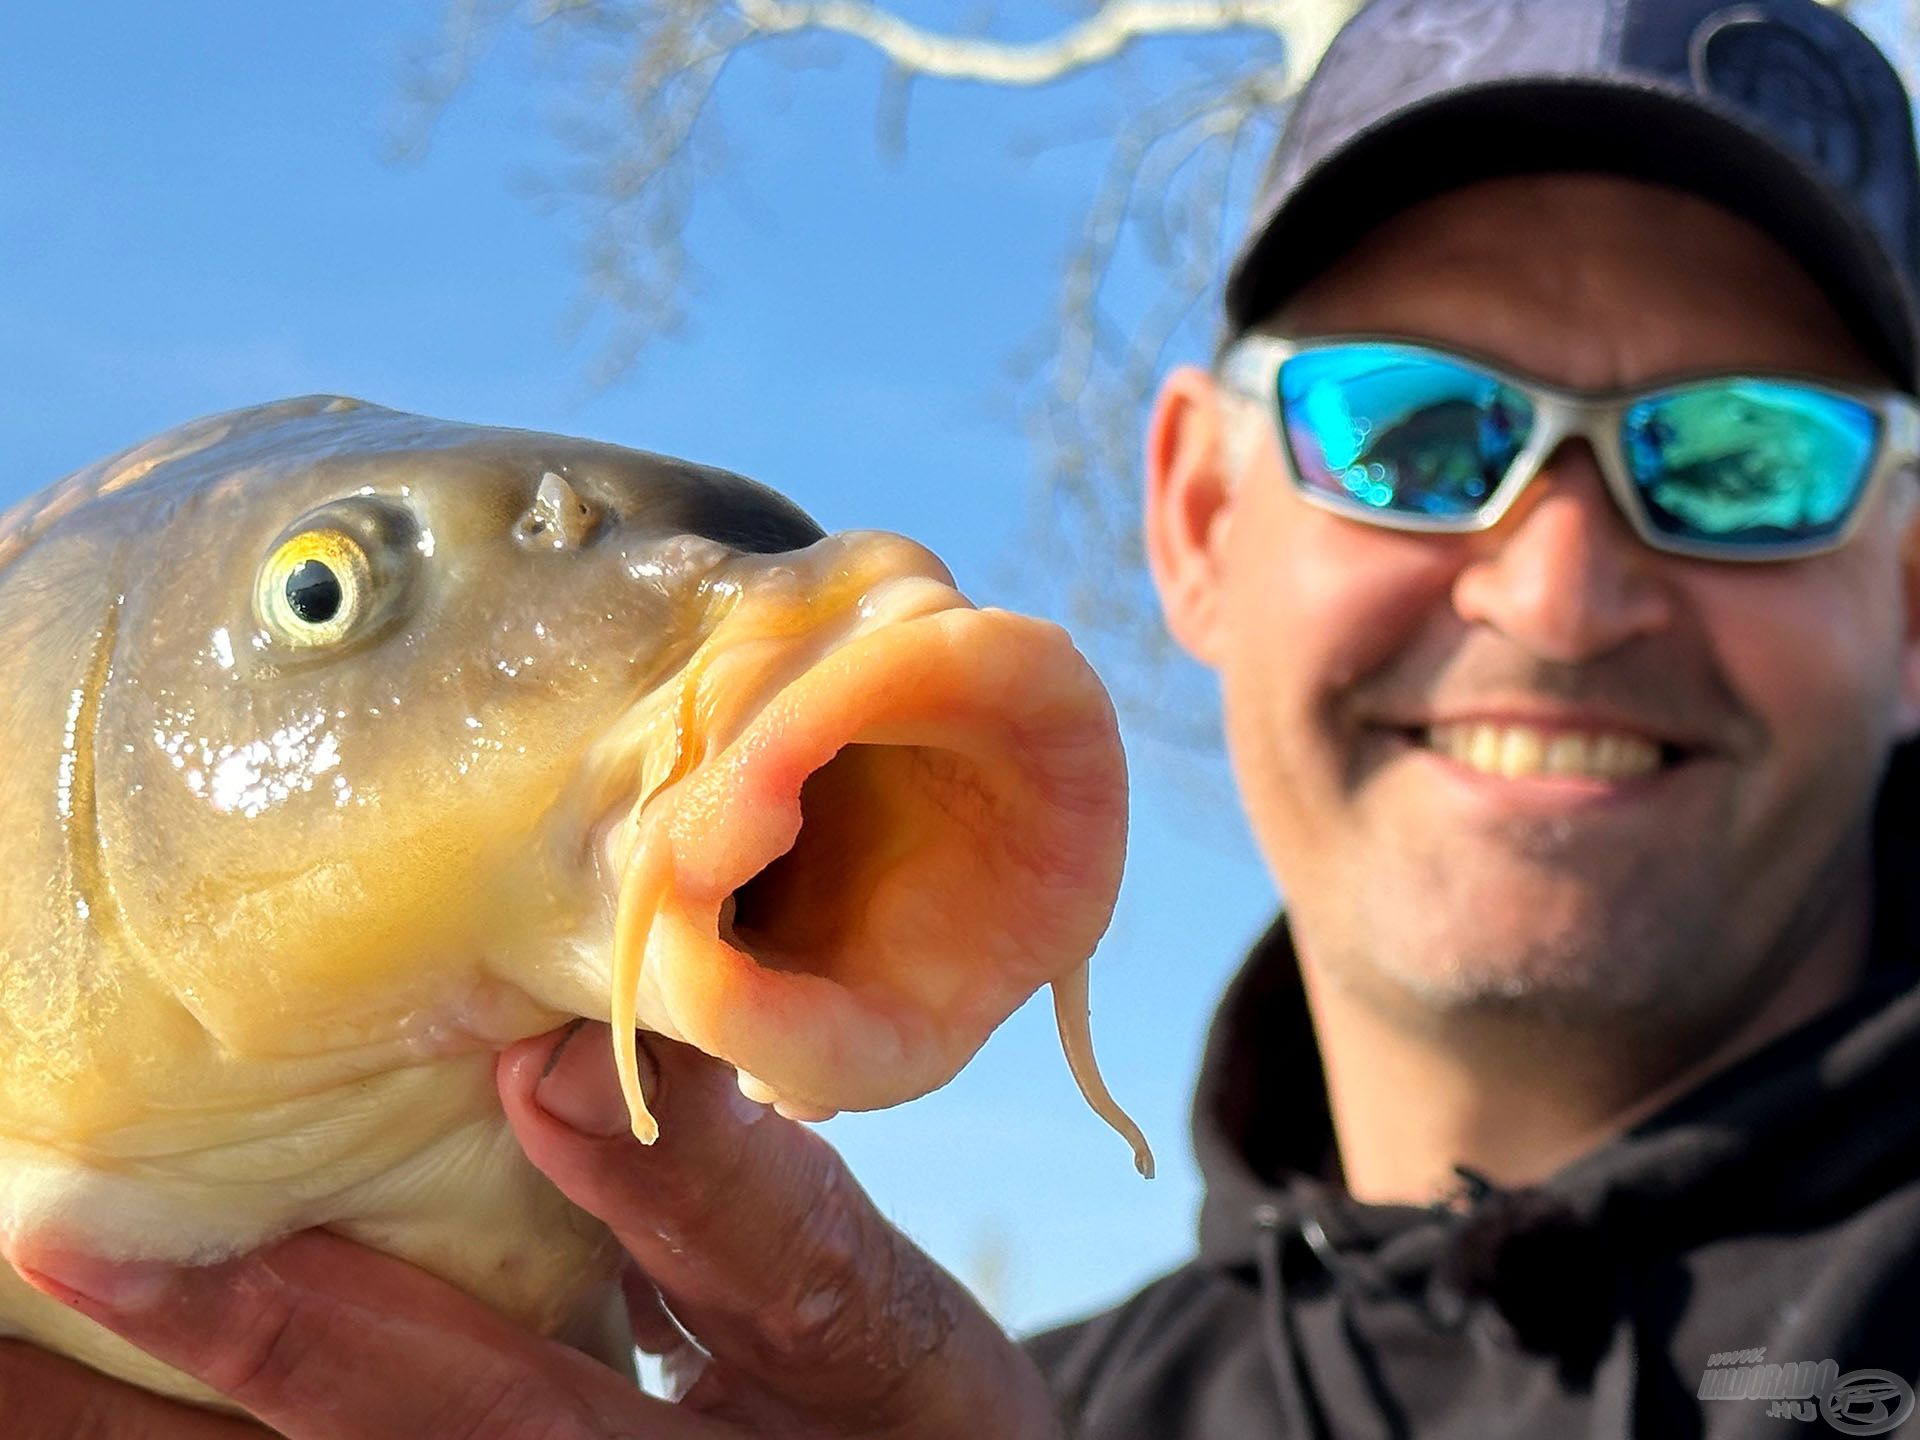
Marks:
<point>196,213</point>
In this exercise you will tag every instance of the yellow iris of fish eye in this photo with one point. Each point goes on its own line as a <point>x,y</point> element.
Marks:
<point>328,617</point>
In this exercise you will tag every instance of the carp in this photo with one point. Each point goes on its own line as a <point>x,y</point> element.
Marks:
<point>347,747</point>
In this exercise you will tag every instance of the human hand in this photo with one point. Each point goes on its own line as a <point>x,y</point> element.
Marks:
<point>49,1397</point>
<point>816,1317</point>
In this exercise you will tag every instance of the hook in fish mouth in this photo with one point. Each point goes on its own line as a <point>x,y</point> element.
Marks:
<point>844,884</point>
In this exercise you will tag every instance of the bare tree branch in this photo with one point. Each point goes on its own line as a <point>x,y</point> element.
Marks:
<point>1098,38</point>
<point>645,84</point>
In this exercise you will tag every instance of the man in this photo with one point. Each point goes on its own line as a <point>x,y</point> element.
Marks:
<point>1571,794</point>
<point>1584,1065</point>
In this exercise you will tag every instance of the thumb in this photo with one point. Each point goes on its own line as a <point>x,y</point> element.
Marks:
<point>766,1248</point>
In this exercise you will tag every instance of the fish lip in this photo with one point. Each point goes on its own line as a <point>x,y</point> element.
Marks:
<point>961,690</point>
<point>621,822</point>
<point>606,843</point>
<point>620,803</point>
<point>1007,694</point>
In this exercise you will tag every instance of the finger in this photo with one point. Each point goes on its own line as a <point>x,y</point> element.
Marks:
<point>325,1340</point>
<point>49,1397</point>
<point>763,1244</point>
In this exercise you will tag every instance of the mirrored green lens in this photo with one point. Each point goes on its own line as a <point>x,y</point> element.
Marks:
<point>1750,463</point>
<point>1398,429</point>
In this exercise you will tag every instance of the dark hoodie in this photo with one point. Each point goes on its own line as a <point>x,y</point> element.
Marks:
<point>1775,1207</point>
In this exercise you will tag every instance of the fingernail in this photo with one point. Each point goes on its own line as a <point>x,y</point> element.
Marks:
<point>116,1284</point>
<point>581,1088</point>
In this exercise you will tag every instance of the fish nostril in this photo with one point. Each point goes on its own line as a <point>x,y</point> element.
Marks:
<point>559,518</point>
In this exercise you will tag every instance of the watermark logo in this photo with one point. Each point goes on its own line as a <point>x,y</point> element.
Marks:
<point>1860,1402</point>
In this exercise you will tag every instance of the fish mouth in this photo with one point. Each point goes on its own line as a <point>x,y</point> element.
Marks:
<point>889,818</point>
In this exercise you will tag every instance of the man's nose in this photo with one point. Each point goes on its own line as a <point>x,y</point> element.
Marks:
<point>1563,573</point>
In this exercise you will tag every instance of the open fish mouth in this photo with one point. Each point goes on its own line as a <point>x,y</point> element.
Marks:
<point>888,818</point>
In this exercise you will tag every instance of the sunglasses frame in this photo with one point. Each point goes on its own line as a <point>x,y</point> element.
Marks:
<point>1251,367</point>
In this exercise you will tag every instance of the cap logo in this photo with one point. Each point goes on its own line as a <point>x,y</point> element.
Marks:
<point>1784,80</point>
<point>1443,41</point>
<point>1413,48</point>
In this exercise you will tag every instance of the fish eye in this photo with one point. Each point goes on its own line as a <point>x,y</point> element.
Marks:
<point>314,588</point>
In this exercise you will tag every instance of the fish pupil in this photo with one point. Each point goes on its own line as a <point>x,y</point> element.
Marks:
<point>313,592</point>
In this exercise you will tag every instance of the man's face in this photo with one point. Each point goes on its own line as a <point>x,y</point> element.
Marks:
<point>1775,691</point>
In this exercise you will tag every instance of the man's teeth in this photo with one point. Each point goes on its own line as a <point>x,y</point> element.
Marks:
<point>1520,750</point>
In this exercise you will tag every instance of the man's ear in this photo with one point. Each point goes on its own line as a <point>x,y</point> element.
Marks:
<point>1907,516</point>
<point>1188,505</point>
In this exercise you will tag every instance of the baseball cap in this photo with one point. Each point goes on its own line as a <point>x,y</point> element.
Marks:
<point>1782,111</point>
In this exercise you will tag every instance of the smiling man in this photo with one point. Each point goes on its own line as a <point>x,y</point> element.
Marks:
<point>1551,521</point>
<point>1563,818</point>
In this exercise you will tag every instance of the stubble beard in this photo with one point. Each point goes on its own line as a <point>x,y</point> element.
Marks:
<point>1545,931</point>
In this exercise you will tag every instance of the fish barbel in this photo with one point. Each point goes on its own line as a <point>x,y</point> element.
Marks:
<point>348,747</point>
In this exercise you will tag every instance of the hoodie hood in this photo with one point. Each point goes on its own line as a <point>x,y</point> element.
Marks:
<point>1735,1131</point>
<point>1782,1140</point>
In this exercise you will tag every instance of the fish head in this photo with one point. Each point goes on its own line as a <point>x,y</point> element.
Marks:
<point>422,735</point>
<point>358,658</point>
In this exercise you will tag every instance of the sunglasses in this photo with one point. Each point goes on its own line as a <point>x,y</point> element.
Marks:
<point>1720,467</point>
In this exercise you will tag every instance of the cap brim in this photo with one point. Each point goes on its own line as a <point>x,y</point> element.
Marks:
<point>1567,123</point>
